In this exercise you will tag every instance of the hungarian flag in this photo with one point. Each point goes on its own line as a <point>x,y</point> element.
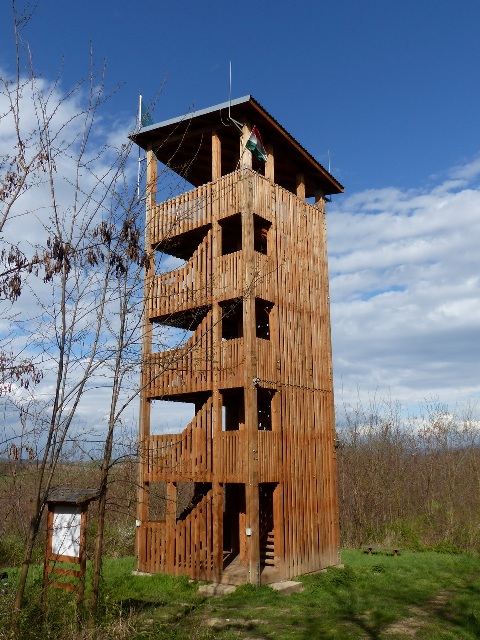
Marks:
<point>255,144</point>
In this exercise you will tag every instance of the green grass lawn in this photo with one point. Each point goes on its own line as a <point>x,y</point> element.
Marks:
<point>421,595</point>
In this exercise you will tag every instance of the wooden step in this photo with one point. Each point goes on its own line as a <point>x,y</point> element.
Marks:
<point>267,550</point>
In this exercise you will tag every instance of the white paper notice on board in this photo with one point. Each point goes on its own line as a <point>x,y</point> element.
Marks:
<point>66,531</point>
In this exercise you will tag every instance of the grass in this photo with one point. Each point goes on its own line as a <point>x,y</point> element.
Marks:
<point>422,595</point>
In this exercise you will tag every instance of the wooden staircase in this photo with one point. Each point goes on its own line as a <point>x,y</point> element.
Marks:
<point>267,550</point>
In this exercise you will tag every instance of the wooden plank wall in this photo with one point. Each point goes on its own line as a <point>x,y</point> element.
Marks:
<point>190,285</point>
<point>183,370</point>
<point>186,456</point>
<point>296,362</point>
<point>309,491</point>
<point>187,549</point>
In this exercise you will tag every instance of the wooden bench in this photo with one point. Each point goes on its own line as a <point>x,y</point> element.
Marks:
<point>378,548</point>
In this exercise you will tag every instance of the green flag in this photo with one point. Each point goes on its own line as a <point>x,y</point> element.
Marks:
<point>145,117</point>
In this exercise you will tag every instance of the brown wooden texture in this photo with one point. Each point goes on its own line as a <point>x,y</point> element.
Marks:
<point>258,367</point>
<point>186,456</point>
<point>189,543</point>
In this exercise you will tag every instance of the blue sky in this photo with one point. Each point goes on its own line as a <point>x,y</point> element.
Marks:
<point>388,87</point>
<point>390,91</point>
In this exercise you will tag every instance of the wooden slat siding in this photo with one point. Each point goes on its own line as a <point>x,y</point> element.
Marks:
<point>304,328</point>
<point>329,411</point>
<point>193,209</point>
<point>194,541</point>
<point>191,543</point>
<point>262,192</point>
<point>170,520</point>
<point>290,341</point>
<point>269,456</point>
<point>277,428</point>
<point>266,362</point>
<point>154,534</point>
<point>227,281</point>
<point>184,288</point>
<point>183,213</point>
<point>232,358</point>
<point>265,275</point>
<point>232,456</point>
<point>227,192</point>
<point>183,370</point>
<point>326,381</point>
<point>185,456</point>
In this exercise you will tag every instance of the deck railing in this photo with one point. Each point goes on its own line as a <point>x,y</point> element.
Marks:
<point>232,360</point>
<point>184,288</point>
<point>231,460</point>
<point>183,456</point>
<point>183,370</point>
<point>200,206</point>
<point>190,552</point>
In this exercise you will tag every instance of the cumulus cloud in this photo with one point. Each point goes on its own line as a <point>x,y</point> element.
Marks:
<point>404,278</point>
<point>405,290</point>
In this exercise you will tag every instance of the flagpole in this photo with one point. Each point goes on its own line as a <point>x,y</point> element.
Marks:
<point>237,124</point>
<point>139,127</point>
<point>230,91</point>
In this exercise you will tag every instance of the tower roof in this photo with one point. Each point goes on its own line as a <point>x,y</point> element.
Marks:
<point>184,144</point>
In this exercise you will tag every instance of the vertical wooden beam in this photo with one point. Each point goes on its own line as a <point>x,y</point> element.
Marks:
<point>217,530</point>
<point>216,157</point>
<point>170,523</point>
<point>300,180</point>
<point>270,164</point>
<point>252,531</point>
<point>151,180</point>
<point>245,154</point>
<point>330,472</point>
<point>144,417</point>
<point>83,553</point>
<point>216,395</point>
<point>320,200</point>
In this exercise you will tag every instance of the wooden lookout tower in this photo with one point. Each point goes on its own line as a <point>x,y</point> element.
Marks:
<point>258,457</point>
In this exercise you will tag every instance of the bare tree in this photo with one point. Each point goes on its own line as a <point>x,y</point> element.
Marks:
<point>59,157</point>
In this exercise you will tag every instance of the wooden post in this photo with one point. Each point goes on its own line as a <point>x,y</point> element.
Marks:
<point>320,200</point>
<point>216,157</point>
<point>252,532</point>
<point>270,164</point>
<point>83,553</point>
<point>300,186</point>
<point>170,521</point>
<point>217,402</point>
<point>245,154</point>
<point>144,422</point>
<point>217,530</point>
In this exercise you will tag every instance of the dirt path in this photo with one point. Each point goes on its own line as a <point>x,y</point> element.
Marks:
<point>420,617</point>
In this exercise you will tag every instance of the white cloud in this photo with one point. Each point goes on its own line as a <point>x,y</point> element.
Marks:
<point>405,282</point>
<point>405,290</point>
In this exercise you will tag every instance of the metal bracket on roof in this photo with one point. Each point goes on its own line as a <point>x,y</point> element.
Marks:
<point>239,125</point>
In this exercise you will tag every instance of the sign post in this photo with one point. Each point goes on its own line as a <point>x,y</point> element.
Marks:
<point>65,545</point>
